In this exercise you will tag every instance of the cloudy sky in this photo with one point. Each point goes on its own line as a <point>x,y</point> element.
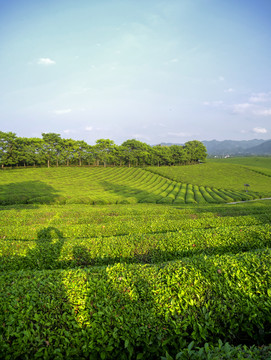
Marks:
<point>157,71</point>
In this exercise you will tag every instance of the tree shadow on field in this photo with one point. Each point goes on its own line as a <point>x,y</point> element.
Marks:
<point>89,311</point>
<point>44,255</point>
<point>39,308</point>
<point>27,192</point>
<point>48,248</point>
<point>141,196</point>
<point>143,323</point>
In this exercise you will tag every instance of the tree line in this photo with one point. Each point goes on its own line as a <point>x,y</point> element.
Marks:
<point>52,150</point>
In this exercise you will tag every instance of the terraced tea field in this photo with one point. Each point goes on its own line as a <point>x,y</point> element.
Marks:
<point>170,185</point>
<point>221,175</point>
<point>168,270</point>
<point>134,281</point>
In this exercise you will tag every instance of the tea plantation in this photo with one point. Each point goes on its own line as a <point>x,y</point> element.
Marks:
<point>169,270</point>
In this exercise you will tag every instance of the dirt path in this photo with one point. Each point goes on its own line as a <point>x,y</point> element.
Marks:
<point>241,202</point>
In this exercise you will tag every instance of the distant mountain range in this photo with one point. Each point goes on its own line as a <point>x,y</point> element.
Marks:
<point>238,147</point>
<point>235,147</point>
<point>261,149</point>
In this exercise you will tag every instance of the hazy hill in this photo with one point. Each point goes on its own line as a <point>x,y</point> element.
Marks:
<point>261,149</point>
<point>231,147</point>
<point>234,147</point>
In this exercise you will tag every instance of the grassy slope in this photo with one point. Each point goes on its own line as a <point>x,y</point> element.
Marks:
<point>261,165</point>
<point>219,175</point>
<point>257,161</point>
<point>124,185</point>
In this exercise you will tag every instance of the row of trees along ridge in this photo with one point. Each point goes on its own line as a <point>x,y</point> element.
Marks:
<point>51,149</point>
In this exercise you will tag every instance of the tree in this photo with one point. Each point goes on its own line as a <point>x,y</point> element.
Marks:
<point>136,152</point>
<point>195,151</point>
<point>89,154</point>
<point>52,147</point>
<point>104,149</point>
<point>178,154</point>
<point>162,155</point>
<point>68,149</point>
<point>80,149</point>
<point>8,150</point>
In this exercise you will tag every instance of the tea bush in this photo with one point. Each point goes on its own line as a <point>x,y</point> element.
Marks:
<point>107,186</point>
<point>135,281</point>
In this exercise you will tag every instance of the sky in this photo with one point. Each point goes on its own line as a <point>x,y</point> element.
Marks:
<point>151,70</point>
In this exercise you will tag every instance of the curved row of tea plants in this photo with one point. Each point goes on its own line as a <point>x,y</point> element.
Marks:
<point>105,186</point>
<point>221,174</point>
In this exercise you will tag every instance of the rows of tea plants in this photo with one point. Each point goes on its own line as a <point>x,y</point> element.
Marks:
<point>222,175</point>
<point>262,162</point>
<point>135,281</point>
<point>96,186</point>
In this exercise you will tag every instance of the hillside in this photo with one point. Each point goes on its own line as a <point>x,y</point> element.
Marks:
<point>202,183</point>
<point>230,147</point>
<point>149,276</point>
<point>261,149</point>
<point>235,147</point>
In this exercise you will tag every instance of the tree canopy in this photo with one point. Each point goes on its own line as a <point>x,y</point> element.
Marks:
<point>52,150</point>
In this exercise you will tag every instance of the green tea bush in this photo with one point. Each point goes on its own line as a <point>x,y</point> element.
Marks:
<point>221,351</point>
<point>180,198</point>
<point>189,197</point>
<point>198,195</point>
<point>135,281</point>
<point>206,195</point>
<point>123,310</point>
<point>13,199</point>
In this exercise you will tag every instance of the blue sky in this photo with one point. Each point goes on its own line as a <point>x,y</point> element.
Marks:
<point>157,71</point>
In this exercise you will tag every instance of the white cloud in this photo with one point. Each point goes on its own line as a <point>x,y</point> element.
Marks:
<point>221,78</point>
<point>175,60</point>
<point>46,61</point>
<point>179,134</point>
<point>230,90</point>
<point>68,131</point>
<point>264,112</point>
<point>141,137</point>
<point>259,130</point>
<point>260,97</point>
<point>241,108</point>
<point>62,111</point>
<point>213,103</point>
<point>88,128</point>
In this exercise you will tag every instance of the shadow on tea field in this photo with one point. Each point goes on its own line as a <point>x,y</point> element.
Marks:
<point>27,192</point>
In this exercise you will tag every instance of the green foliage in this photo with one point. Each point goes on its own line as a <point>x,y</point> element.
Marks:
<point>221,351</point>
<point>56,151</point>
<point>219,175</point>
<point>97,186</point>
<point>132,280</point>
